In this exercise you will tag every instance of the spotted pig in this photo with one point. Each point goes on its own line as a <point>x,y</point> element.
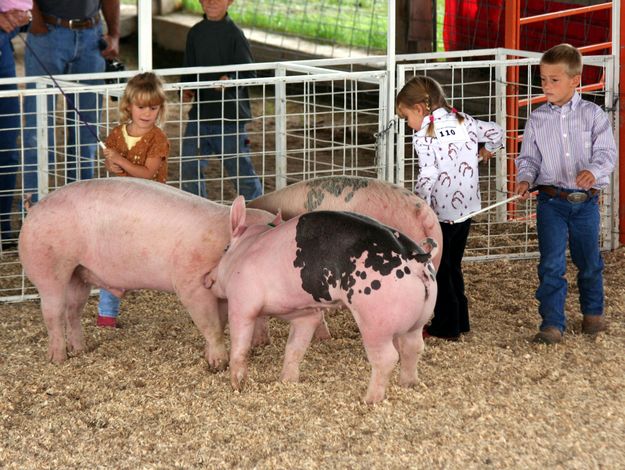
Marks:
<point>325,259</point>
<point>388,203</point>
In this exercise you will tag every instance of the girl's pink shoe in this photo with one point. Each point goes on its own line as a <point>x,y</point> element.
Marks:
<point>106,322</point>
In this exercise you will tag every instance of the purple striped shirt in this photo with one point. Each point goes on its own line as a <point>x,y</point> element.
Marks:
<point>559,142</point>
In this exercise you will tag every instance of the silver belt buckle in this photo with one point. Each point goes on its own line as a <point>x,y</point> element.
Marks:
<point>577,197</point>
<point>71,23</point>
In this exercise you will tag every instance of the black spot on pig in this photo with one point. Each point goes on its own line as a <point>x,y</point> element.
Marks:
<point>330,242</point>
<point>332,186</point>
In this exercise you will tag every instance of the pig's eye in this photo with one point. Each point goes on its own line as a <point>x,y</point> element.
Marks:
<point>226,248</point>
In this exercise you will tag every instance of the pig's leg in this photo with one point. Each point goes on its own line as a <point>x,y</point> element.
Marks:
<point>202,306</point>
<point>241,334</point>
<point>261,332</point>
<point>77,295</point>
<point>410,349</point>
<point>383,356</point>
<point>322,332</point>
<point>300,335</point>
<point>53,311</point>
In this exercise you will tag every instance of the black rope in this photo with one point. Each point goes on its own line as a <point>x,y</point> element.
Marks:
<point>69,101</point>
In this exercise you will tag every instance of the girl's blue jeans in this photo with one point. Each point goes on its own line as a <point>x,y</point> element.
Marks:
<point>559,221</point>
<point>109,304</point>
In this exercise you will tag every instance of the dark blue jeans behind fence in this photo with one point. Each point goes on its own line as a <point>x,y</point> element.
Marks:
<point>231,144</point>
<point>9,128</point>
<point>558,222</point>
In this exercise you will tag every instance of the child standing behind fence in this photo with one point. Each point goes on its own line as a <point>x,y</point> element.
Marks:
<point>446,145</point>
<point>568,154</point>
<point>218,116</point>
<point>137,147</point>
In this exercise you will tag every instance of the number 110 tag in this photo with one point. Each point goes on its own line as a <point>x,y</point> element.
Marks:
<point>450,131</point>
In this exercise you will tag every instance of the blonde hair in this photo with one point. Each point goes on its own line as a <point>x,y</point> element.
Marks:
<point>424,90</point>
<point>564,54</point>
<point>144,89</point>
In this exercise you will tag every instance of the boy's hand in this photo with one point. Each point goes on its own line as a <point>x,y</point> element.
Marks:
<point>111,155</point>
<point>585,179</point>
<point>521,190</point>
<point>188,95</point>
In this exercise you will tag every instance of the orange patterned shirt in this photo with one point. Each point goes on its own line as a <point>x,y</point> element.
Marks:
<point>154,144</point>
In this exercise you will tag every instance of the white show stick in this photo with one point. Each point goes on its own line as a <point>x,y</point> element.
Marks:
<point>468,216</point>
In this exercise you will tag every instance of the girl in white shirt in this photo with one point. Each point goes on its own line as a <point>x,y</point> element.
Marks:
<point>446,143</point>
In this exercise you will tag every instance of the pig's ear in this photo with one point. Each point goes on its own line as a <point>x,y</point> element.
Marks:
<point>237,217</point>
<point>277,220</point>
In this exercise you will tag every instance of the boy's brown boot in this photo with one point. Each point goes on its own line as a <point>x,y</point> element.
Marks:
<point>593,324</point>
<point>549,335</point>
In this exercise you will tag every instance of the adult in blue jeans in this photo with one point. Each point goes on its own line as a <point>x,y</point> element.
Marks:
<point>11,19</point>
<point>218,116</point>
<point>67,38</point>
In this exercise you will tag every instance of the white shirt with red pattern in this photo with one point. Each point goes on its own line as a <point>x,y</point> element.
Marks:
<point>448,163</point>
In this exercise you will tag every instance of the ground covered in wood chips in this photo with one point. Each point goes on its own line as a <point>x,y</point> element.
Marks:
<point>143,397</point>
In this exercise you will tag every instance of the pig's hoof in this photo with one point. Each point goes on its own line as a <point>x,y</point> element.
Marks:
<point>217,364</point>
<point>410,382</point>
<point>57,357</point>
<point>373,398</point>
<point>217,360</point>
<point>237,380</point>
<point>76,348</point>
<point>261,340</point>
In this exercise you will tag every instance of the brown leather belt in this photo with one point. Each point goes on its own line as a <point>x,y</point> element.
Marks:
<point>553,191</point>
<point>85,23</point>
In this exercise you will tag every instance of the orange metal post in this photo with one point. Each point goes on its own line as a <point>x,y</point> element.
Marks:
<point>565,13</point>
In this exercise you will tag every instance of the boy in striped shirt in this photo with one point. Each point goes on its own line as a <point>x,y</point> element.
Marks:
<point>568,154</point>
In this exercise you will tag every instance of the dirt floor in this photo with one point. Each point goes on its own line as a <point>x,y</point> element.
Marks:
<point>143,397</point>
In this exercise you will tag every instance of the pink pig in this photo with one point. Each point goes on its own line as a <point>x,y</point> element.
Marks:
<point>322,259</point>
<point>122,234</point>
<point>388,203</point>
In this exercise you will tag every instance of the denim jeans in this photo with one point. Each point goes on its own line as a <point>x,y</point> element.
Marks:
<point>108,305</point>
<point>9,129</point>
<point>559,221</point>
<point>231,144</point>
<point>64,51</point>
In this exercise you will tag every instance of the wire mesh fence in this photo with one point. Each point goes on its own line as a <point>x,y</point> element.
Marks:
<point>308,119</point>
<point>477,84</point>
<point>302,125</point>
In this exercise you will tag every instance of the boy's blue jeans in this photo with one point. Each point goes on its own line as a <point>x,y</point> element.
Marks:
<point>63,51</point>
<point>559,221</point>
<point>109,304</point>
<point>231,144</point>
<point>9,129</point>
